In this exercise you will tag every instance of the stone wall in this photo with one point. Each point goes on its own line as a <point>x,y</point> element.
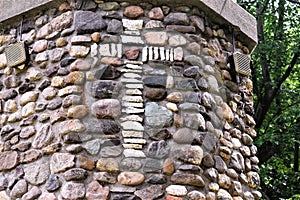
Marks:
<point>126,101</point>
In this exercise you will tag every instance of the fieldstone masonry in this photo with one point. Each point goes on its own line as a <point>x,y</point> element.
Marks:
<point>127,100</point>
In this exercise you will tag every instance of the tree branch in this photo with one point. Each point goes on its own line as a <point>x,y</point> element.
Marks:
<point>294,1</point>
<point>288,71</point>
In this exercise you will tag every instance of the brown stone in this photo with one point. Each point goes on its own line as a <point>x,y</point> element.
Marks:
<point>132,53</point>
<point>72,190</point>
<point>156,13</point>
<point>178,120</point>
<point>96,37</point>
<point>224,181</point>
<point>108,165</point>
<point>78,111</point>
<point>188,179</point>
<point>227,112</point>
<point>47,196</point>
<point>85,163</point>
<point>8,160</point>
<point>131,178</point>
<point>40,45</point>
<point>175,97</point>
<point>155,93</point>
<point>80,65</point>
<point>96,192</point>
<point>79,51</point>
<point>112,61</point>
<point>168,197</point>
<point>106,108</point>
<point>156,38</point>
<point>168,167</point>
<point>133,12</point>
<point>30,155</point>
<point>63,21</point>
<point>75,78</point>
<point>181,28</point>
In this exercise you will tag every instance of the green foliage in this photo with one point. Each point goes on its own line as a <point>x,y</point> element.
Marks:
<point>279,42</point>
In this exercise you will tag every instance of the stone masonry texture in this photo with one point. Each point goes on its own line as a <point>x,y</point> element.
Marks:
<point>126,100</point>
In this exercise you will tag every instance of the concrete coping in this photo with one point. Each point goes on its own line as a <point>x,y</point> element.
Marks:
<point>225,12</point>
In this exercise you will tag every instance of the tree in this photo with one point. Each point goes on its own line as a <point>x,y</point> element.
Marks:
<point>275,74</point>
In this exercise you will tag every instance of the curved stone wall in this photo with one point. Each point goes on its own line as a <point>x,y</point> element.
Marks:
<point>126,101</point>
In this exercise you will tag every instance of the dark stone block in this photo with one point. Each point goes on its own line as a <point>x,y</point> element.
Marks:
<point>186,84</point>
<point>104,89</point>
<point>89,22</point>
<point>107,73</point>
<point>9,94</point>
<point>155,81</point>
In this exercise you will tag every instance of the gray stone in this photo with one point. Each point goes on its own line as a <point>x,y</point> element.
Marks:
<point>19,189</point>
<point>220,165</point>
<point>60,162</point>
<point>68,126</point>
<point>3,182</point>
<point>106,108</point>
<point>194,121</point>
<point>189,154</point>
<point>157,179</point>
<point>93,146</point>
<point>113,151</point>
<point>130,164</point>
<point>211,174</point>
<point>75,174</point>
<point>43,137</point>
<point>88,22</point>
<point>237,161</point>
<point>177,18</point>
<point>102,126</point>
<point>186,84</point>
<point>154,24</point>
<point>9,94</point>
<point>86,5</point>
<point>37,172</point>
<point>108,6</point>
<point>115,27</point>
<point>198,23</point>
<point>183,136</point>
<point>72,190</point>
<point>105,177</point>
<point>152,192</point>
<point>152,165</point>
<point>104,89</point>
<point>52,183</point>
<point>177,40</point>
<point>194,60</point>
<point>12,82</point>
<point>157,116</point>
<point>32,194</point>
<point>159,149</point>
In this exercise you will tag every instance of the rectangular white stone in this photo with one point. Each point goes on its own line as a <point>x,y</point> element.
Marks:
<point>133,92</point>
<point>131,110</point>
<point>132,66</point>
<point>134,62</point>
<point>132,24</point>
<point>178,54</point>
<point>119,49</point>
<point>131,75</point>
<point>134,86</point>
<point>150,53</point>
<point>130,134</point>
<point>171,55</point>
<point>128,39</point>
<point>132,33</point>
<point>135,105</point>
<point>145,54</point>
<point>133,153</point>
<point>131,80</point>
<point>167,54</point>
<point>132,146</point>
<point>137,99</point>
<point>135,141</point>
<point>94,50</point>
<point>113,49</point>
<point>104,50</point>
<point>156,54</point>
<point>132,126</point>
<point>132,118</point>
<point>131,71</point>
<point>162,53</point>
